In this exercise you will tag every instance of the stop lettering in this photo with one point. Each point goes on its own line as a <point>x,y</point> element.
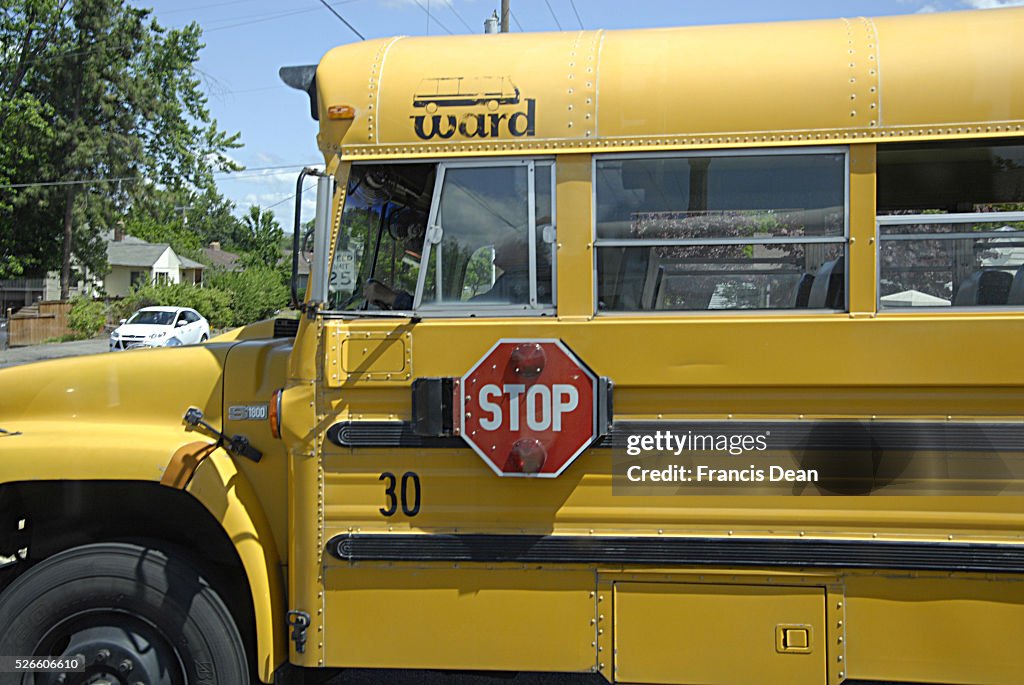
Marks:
<point>528,407</point>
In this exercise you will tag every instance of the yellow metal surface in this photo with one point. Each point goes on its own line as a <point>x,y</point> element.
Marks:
<point>840,80</point>
<point>933,629</point>
<point>228,496</point>
<point>483,618</point>
<point>574,219</point>
<point>255,369</point>
<point>302,430</point>
<point>384,355</point>
<point>717,634</point>
<point>862,250</point>
<point>98,417</point>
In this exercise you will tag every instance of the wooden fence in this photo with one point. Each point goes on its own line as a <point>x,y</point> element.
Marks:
<point>38,323</point>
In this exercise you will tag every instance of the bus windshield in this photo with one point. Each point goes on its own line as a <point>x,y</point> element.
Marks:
<point>381,233</point>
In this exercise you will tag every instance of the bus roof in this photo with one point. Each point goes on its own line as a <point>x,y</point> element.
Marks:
<point>948,75</point>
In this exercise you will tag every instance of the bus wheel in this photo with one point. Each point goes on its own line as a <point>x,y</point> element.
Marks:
<point>130,613</point>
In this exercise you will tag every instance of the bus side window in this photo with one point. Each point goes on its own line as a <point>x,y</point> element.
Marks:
<point>951,225</point>
<point>699,232</point>
<point>490,247</point>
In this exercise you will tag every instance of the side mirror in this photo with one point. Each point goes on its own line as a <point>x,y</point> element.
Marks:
<point>124,321</point>
<point>317,285</point>
<point>181,322</point>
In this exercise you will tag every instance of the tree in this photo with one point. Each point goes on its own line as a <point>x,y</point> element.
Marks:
<point>184,219</point>
<point>261,238</point>
<point>97,98</point>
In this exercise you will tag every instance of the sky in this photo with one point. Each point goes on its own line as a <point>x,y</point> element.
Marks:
<point>247,41</point>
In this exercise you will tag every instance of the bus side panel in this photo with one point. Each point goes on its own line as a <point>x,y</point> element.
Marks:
<point>483,618</point>
<point>691,633</point>
<point>944,630</point>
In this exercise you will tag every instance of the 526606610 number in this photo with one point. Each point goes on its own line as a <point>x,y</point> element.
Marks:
<point>42,664</point>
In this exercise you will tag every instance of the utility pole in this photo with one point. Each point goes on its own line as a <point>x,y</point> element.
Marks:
<point>505,12</point>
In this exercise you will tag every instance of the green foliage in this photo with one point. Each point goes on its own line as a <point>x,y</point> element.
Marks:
<point>94,90</point>
<point>256,293</point>
<point>212,303</point>
<point>186,220</point>
<point>86,316</point>
<point>67,337</point>
<point>260,238</point>
<point>229,299</point>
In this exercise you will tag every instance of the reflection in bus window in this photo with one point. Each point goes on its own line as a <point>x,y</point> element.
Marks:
<point>381,232</point>
<point>709,232</point>
<point>487,248</point>
<point>951,225</point>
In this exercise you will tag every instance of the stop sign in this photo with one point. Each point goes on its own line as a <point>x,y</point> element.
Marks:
<point>529,407</point>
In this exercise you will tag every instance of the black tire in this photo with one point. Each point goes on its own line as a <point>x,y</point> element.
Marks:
<point>116,598</point>
<point>203,339</point>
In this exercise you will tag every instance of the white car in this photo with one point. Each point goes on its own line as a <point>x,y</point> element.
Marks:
<point>160,327</point>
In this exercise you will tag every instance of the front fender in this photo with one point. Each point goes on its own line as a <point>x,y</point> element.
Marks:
<point>217,484</point>
<point>227,494</point>
<point>118,417</point>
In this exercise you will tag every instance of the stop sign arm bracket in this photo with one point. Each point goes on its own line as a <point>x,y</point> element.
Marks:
<point>433,403</point>
<point>605,408</point>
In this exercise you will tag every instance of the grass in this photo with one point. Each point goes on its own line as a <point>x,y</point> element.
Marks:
<point>67,337</point>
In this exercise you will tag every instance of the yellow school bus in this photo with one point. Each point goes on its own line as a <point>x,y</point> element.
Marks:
<point>671,356</point>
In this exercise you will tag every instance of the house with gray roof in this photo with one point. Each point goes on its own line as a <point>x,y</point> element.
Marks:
<point>133,262</point>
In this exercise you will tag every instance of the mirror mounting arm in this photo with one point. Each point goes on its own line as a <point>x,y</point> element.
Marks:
<point>297,236</point>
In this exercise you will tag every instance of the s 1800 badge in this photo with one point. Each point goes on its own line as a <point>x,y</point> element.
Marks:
<point>248,412</point>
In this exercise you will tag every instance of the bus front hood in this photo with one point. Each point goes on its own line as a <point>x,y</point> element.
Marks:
<point>116,416</point>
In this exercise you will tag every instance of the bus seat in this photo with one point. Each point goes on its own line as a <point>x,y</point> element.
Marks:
<point>828,290</point>
<point>984,287</point>
<point>631,285</point>
<point>1016,295</point>
<point>803,290</point>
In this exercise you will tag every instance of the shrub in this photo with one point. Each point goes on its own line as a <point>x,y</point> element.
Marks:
<point>228,299</point>
<point>256,293</point>
<point>86,316</point>
<point>212,303</point>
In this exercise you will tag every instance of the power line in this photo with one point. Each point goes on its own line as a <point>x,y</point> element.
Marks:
<point>343,20</point>
<point>557,23</point>
<point>469,28</point>
<point>518,25</point>
<point>203,7</point>
<point>281,202</point>
<point>430,16</point>
<point>576,12</point>
<point>259,19</point>
<point>134,179</point>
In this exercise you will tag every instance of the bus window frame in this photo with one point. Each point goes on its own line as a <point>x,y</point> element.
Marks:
<point>478,309</point>
<point>843,240</point>
<point>962,217</point>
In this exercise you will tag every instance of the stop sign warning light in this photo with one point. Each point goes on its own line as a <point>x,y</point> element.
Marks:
<point>529,407</point>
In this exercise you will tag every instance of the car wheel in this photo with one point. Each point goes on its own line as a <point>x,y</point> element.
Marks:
<point>132,614</point>
<point>204,338</point>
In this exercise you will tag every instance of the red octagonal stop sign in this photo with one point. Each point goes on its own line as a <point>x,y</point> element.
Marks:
<point>529,407</point>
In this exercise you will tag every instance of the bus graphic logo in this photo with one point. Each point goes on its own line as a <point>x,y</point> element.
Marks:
<point>471,107</point>
<point>462,91</point>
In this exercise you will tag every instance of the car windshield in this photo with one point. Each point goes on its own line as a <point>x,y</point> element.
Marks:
<point>153,317</point>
